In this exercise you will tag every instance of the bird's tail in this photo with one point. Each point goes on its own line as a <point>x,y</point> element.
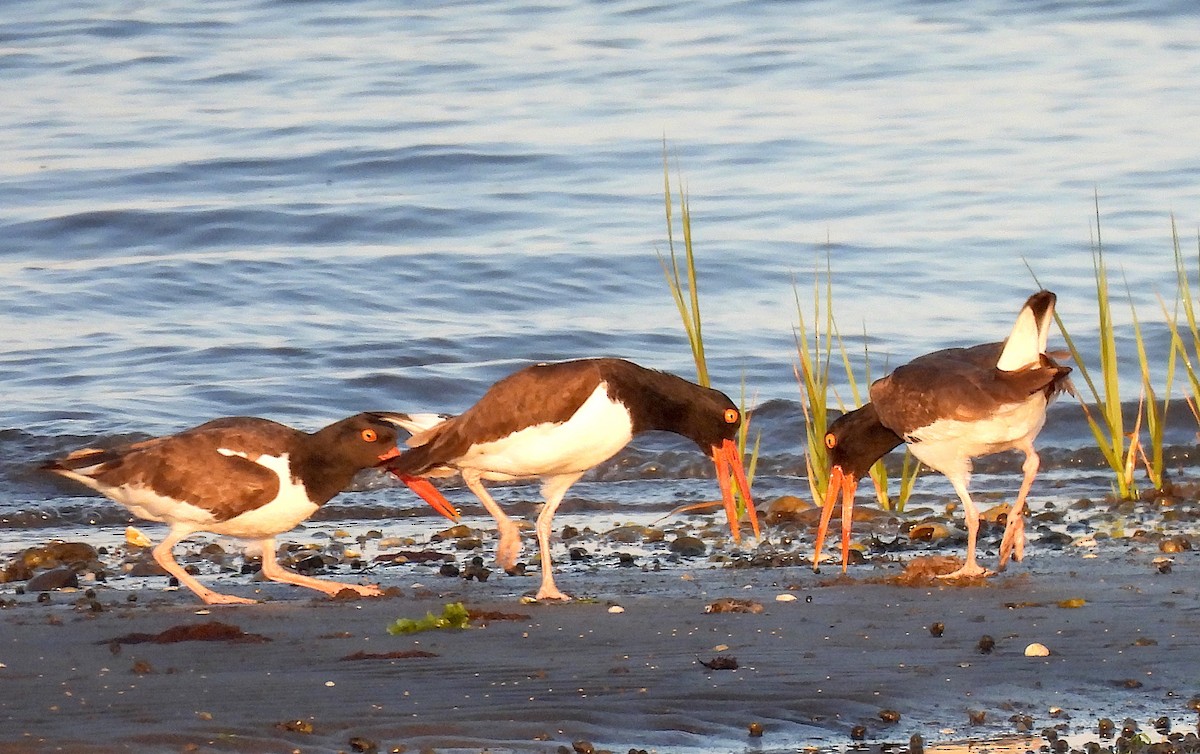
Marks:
<point>1027,341</point>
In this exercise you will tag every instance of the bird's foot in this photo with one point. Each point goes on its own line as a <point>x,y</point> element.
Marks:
<point>363,590</point>
<point>1012,544</point>
<point>552,594</point>
<point>508,549</point>
<point>216,598</point>
<point>967,571</point>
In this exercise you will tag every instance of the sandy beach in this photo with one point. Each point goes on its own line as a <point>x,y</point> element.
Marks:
<point>825,654</point>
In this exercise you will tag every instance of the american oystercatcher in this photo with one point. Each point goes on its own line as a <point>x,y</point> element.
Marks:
<point>556,421</point>
<point>243,477</point>
<point>951,406</point>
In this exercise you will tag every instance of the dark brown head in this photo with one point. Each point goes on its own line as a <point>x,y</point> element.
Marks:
<point>665,402</point>
<point>334,454</point>
<point>854,442</point>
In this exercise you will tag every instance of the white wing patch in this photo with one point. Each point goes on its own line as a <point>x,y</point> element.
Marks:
<point>595,433</point>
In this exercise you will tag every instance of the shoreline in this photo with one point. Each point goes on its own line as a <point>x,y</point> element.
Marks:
<point>545,676</point>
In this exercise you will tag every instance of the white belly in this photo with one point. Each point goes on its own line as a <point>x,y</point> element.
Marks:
<point>595,433</point>
<point>948,445</point>
<point>288,508</point>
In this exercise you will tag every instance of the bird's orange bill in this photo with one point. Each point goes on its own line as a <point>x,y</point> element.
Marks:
<point>393,452</point>
<point>844,485</point>
<point>430,494</point>
<point>727,458</point>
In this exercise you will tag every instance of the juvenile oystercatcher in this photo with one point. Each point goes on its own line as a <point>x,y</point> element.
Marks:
<point>951,406</point>
<point>239,476</point>
<point>553,422</point>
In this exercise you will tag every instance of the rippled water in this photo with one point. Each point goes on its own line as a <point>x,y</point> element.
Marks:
<point>303,210</point>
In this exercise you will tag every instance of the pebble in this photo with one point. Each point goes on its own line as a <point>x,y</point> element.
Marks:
<point>689,546</point>
<point>1037,649</point>
<point>55,578</point>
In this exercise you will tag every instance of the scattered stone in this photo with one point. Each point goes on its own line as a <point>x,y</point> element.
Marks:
<point>755,729</point>
<point>1037,649</point>
<point>454,532</point>
<point>986,644</point>
<point>689,546</point>
<point>296,726</point>
<point>733,605</point>
<point>858,733</point>
<point>937,629</point>
<point>583,747</point>
<point>721,662</point>
<point>364,745</point>
<point>55,578</point>
<point>785,508</point>
<point>889,716</point>
<point>928,531</point>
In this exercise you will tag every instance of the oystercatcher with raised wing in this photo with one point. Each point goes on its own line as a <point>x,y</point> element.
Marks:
<point>243,477</point>
<point>951,406</point>
<point>554,422</point>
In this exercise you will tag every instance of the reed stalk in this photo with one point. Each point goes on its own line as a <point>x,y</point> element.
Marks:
<point>1104,417</point>
<point>1179,347</point>
<point>686,294</point>
<point>815,350</point>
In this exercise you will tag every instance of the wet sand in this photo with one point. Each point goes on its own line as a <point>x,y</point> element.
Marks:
<point>541,677</point>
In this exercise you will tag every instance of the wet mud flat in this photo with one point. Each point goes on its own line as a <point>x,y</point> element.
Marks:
<point>696,657</point>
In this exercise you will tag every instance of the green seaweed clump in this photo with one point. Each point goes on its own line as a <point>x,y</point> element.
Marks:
<point>454,615</point>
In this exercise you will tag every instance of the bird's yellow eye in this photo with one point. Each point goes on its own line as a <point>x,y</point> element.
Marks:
<point>830,440</point>
<point>369,435</point>
<point>732,416</point>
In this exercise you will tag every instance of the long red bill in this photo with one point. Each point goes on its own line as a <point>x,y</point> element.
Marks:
<point>430,494</point>
<point>728,459</point>
<point>843,485</point>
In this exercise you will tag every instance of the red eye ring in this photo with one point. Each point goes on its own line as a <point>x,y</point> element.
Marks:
<point>830,441</point>
<point>732,416</point>
<point>369,435</point>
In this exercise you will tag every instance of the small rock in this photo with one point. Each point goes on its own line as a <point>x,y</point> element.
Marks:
<point>1037,649</point>
<point>365,745</point>
<point>55,578</point>
<point>986,644</point>
<point>689,546</point>
<point>755,729</point>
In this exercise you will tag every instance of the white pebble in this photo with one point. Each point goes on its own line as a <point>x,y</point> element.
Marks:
<point>1037,650</point>
<point>616,609</point>
<point>785,598</point>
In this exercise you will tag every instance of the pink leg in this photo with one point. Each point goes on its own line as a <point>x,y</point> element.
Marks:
<point>1013,542</point>
<point>510,535</point>
<point>275,572</point>
<point>553,490</point>
<point>970,568</point>
<point>162,555</point>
